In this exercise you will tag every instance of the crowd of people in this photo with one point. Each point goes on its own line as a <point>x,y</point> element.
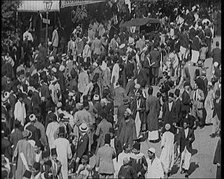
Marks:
<point>110,91</point>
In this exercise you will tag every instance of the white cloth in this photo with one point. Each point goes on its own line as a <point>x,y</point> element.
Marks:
<point>208,106</point>
<point>137,120</point>
<point>50,131</point>
<point>155,169</point>
<point>167,154</point>
<point>194,56</point>
<point>27,35</point>
<point>185,159</point>
<point>153,135</point>
<point>115,74</point>
<point>20,112</point>
<point>64,153</point>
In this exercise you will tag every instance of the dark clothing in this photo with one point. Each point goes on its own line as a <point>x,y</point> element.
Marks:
<point>217,109</point>
<point>186,141</point>
<point>82,148</point>
<point>217,159</point>
<point>216,55</point>
<point>127,171</point>
<point>196,44</point>
<point>186,101</point>
<point>138,165</point>
<point>6,148</point>
<point>35,133</point>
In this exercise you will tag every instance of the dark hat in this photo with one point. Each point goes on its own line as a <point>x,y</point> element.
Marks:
<point>36,166</point>
<point>187,84</point>
<point>107,139</point>
<point>126,101</point>
<point>217,92</point>
<point>85,104</point>
<point>85,157</point>
<point>53,151</point>
<point>45,154</point>
<point>171,95</point>
<point>48,163</point>
<point>185,120</point>
<point>61,130</point>
<point>137,145</point>
<point>61,115</point>
<point>27,174</point>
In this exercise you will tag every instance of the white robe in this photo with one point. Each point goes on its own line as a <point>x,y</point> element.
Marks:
<point>50,131</point>
<point>155,169</point>
<point>115,74</point>
<point>64,153</point>
<point>167,154</point>
<point>138,120</point>
<point>20,112</point>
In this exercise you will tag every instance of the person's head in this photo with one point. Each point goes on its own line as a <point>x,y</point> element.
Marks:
<point>61,132</point>
<point>151,153</point>
<point>54,153</point>
<point>32,118</point>
<point>167,127</point>
<point>127,113</point>
<point>126,161</point>
<point>150,90</point>
<point>185,124</point>
<point>107,139</point>
<point>217,94</point>
<point>170,97</point>
<point>83,128</point>
<point>136,147</point>
<point>187,86</point>
<point>84,160</point>
<point>27,174</point>
<point>217,44</point>
<point>177,93</point>
<point>20,97</point>
<point>46,155</point>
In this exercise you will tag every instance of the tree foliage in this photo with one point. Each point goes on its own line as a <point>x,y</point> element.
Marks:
<point>8,8</point>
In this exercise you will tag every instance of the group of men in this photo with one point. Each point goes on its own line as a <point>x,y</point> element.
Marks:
<point>101,99</point>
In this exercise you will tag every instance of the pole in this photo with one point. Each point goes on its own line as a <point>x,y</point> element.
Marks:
<point>47,31</point>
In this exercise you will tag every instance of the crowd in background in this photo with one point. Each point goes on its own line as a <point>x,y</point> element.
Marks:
<point>108,90</point>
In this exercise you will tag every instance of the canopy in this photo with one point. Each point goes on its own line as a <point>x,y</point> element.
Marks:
<point>35,6</point>
<point>140,22</point>
<point>68,3</point>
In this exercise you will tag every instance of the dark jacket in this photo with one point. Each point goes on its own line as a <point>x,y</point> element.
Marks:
<point>186,101</point>
<point>155,56</point>
<point>127,171</point>
<point>82,146</point>
<point>186,142</point>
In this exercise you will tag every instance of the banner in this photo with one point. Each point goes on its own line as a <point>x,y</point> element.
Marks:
<point>68,3</point>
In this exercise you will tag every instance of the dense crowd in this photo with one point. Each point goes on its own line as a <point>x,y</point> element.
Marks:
<point>110,90</point>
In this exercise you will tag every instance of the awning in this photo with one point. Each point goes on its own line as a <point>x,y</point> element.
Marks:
<point>68,3</point>
<point>139,22</point>
<point>35,6</point>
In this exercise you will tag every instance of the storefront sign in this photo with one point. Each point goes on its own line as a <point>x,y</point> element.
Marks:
<point>68,3</point>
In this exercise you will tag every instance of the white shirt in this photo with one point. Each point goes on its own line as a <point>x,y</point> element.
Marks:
<point>186,132</point>
<point>170,105</point>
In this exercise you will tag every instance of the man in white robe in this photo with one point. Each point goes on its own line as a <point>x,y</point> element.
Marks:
<point>155,169</point>
<point>64,152</point>
<point>51,130</point>
<point>167,154</point>
<point>20,110</point>
<point>115,74</point>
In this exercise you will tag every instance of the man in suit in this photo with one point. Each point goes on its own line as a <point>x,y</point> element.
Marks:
<point>186,100</point>
<point>155,56</point>
<point>104,159</point>
<point>216,53</point>
<point>102,129</point>
<point>55,40</point>
<point>198,104</point>
<point>178,104</point>
<point>169,111</point>
<point>186,139</point>
<point>138,108</point>
<point>83,143</point>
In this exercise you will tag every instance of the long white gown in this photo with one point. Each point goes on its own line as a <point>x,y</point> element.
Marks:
<point>167,154</point>
<point>64,153</point>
